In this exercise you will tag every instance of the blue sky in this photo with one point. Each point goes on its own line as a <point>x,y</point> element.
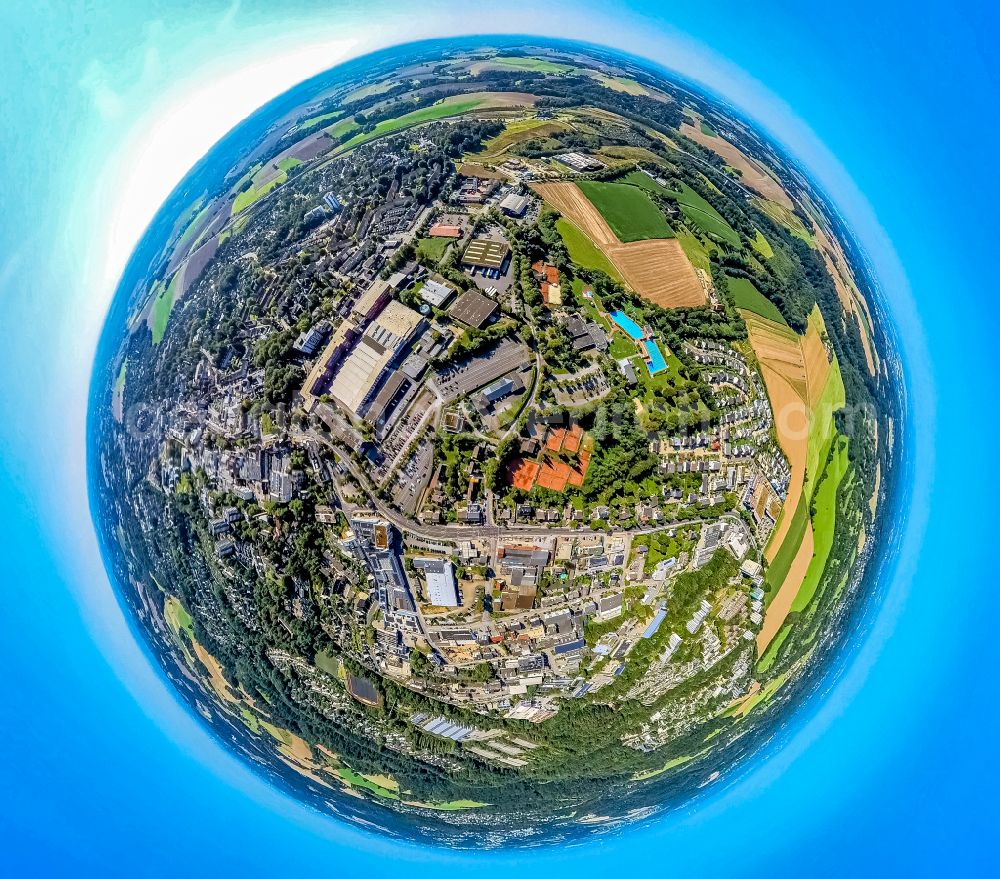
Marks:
<point>103,111</point>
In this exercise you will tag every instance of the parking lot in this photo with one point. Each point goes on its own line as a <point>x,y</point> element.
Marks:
<point>412,477</point>
<point>463,378</point>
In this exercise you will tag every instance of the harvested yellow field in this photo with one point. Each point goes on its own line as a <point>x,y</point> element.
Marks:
<point>781,604</point>
<point>814,356</point>
<point>217,679</point>
<point>657,269</point>
<point>795,370</point>
<point>567,198</point>
<point>791,421</point>
<point>754,175</point>
<point>779,349</point>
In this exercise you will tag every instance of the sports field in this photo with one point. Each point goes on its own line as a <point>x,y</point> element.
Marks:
<point>628,210</point>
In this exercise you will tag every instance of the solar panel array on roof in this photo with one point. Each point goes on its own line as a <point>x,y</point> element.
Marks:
<point>440,726</point>
<point>485,253</point>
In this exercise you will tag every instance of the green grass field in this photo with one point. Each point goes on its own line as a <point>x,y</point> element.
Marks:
<point>532,65</point>
<point>707,129</point>
<point>366,91</point>
<point>328,662</point>
<point>762,245</point>
<point>629,211</point>
<point>452,806</point>
<point>515,132</point>
<point>356,780</point>
<point>822,432</point>
<point>583,251</point>
<point>286,164</point>
<point>622,346</point>
<point>343,127</point>
<point>620,84</point>
<point>644,181</point>
<point>177,617</point>
<point>767,660</point>
<point>163,304</point>
<point>747,296</point>
<point>452,106</point>
<point>694,249</point>
<point>253,193</point>
<point>662,379</point>
<point>193,225</point>
<point>763,695</point>
<point>704,216</point>
<point>824,522</point>
<point>822,428</point>
<point>433,248</point>
<point>317,120</point>
<point>784,217</point>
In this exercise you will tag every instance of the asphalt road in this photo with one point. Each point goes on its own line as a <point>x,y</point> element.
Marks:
<point>479,532</point>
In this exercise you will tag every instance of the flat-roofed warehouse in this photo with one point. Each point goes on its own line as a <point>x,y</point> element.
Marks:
<point>473,309</point>
<point>435,293</point>
<point>363,369</point>
<point>484,253</point>
<point>440,576</point>
<point>514,205</point>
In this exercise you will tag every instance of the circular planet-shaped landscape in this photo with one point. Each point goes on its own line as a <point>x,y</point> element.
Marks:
<point>493,440</point>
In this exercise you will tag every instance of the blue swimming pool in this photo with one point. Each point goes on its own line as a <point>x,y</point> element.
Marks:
<point>656,361</point>
<point>627,324</point>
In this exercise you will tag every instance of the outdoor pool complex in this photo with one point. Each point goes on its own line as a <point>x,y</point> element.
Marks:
<point>627,324</point>
<point>655,356</point>
<point>653,353</point>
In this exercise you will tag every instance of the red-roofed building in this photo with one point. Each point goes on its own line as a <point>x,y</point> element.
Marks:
<point>442,230</point>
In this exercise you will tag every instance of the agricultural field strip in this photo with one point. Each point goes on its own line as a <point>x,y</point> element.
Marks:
<point>754,174</point>
<point>657,268</point>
